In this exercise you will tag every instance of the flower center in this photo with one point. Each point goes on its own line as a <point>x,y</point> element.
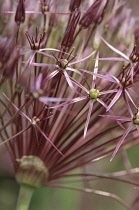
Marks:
<point>136,119</point>
<point>63,64</point>
<point>93,93</point>
<point>35,120</point>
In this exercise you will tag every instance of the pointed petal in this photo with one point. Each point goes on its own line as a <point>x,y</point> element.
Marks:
<point>83,59</point>
<point>99,75</point>
<point>88,117</point>
<point>110,76</point>
<point>40,64</point>
<point>45,99</point>
<point>47,55</point>
<point>114,49</point>
<point>79,85</point>
<point>69,82</point>
<point>95,71</point>
<point>102,103</point>
<point>132,74</point>
<point>75,70</point>
<point>116,97</point>
<point>121,141</point>
<point>111,112</point>
<point>30,59</point>
<point>50,49</point>
<point>69,102</point>
<point>108,91</point>
<point>50,76</point>
<point>113,117</point>
<point>112,59</point>
<point>130,98</point>
<point>127,104</point>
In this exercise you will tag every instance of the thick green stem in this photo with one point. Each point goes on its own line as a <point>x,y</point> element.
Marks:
<point>24,198</point>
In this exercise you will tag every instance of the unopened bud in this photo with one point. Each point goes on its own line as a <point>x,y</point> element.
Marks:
<point>94,14</point>
<point>74,4</point>
<point>20,12</point>
<point>70,30</point>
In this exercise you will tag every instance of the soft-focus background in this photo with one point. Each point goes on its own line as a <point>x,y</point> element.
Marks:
<point>64,199</point>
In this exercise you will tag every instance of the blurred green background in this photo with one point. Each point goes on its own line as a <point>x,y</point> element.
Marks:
<point>48,198</point>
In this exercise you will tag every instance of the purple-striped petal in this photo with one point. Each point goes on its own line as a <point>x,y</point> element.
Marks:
<point>79,85</point>
<point>108,91</point>
<point>121,141</point>
<point>95,71</point>
<point>99,75</point>
<point>46,54</point>
<point>113,117</point>
<point>116,97</point>
<point>112,59</point>
<point>75,70</point>
<point>111,112</point>
<point>50,76</point>
<point>69,102</point>
<point>83,59</point>
<point>88,117</point>
<point>115,80</point>
<point>41,64</point>
<point>102,103</point>
<point>127,104</point>
<point>114,49</point>
<point>30,59</point>
<point>69,82</point>
<point>130,98</point>
<point>132,74</point>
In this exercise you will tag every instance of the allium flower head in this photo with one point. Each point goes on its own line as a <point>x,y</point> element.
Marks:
<point>69,94</point>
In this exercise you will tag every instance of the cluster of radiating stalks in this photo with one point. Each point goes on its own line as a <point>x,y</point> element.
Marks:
<point>69,74</point>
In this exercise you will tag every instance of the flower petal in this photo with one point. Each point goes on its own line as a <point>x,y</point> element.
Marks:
<point>121,141</point>
<point>88,117</point>
<point>116,97</point>
<point>69,82</point>
<point>69,102</point>
<point>83,59</point>
<point>114,49</point>
<point>113,117</point>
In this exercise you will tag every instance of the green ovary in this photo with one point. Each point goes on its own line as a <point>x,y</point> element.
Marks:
<point>94,93</point>
<point>63,63</point>
<point>136,120</point>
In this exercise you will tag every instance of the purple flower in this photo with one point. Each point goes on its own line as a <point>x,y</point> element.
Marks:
<point>133,122</point>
